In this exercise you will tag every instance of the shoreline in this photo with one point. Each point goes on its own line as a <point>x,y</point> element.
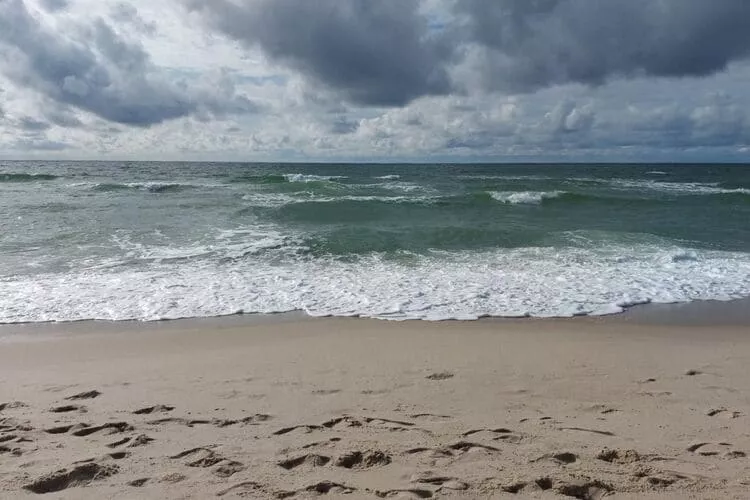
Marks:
<point>686,314</point>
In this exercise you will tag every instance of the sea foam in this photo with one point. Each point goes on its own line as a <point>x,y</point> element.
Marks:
<point>523,197</point>
<point>280,277</point>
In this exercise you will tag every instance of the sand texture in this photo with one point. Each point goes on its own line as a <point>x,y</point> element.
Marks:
<point>338,408</point>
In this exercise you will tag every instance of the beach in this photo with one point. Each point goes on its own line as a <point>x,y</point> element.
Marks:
<point>286,406</point>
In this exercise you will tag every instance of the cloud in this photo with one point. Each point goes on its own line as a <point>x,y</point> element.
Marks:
<point>390,52</point>
<point>92,68</point>
<point>524,45</point>
<point>38,145</point>
<point>29,124</point>
<point>375,53</point>
<point>54,5</point>
<point>125,13</point>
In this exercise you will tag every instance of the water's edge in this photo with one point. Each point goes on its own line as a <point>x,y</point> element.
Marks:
<point>700,313</point>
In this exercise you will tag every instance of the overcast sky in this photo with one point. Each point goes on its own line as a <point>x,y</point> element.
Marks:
<point>398,80</point>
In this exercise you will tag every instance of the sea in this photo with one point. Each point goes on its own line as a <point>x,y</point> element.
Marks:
<point>154,241</point>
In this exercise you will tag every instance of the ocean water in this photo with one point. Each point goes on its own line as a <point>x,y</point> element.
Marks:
<point>150,241</point>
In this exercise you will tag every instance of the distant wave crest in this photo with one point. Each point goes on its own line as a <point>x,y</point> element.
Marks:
<point>524,197</point>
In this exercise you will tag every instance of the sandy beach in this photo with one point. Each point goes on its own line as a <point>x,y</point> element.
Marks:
<point>305,408</point>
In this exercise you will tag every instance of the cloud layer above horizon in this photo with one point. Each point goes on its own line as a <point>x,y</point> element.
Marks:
<point>439,80</point>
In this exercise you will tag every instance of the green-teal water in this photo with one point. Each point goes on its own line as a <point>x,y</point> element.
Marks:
<point>91,240</point>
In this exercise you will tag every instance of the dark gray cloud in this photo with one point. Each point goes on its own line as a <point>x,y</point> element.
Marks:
<point>532,44</point>
<point>95,69</point>
<point>389,52</point>
<point>378,53</point>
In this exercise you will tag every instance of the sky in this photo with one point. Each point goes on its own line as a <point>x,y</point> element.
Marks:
<point>375,80</point>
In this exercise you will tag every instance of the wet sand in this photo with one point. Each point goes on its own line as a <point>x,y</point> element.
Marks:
<point>291,407</point>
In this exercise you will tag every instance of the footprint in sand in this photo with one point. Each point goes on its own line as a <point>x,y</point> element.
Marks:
<point>83,430</point>
<point>154,409</point>
<point>452,451</point>
<point>326,392</point>
<point>244,489</point>
<point>139,440</point>
<point>348,422</point>
<point>430,416</point>
<point>584,489</point>
<point>498,434</point>
<point>440,376</point>
<point>583,429</point>
<point>229,468</point>
<point>620,457</point>
<point>13,405</point>
<point>84,395</point>
<point>309,460</point>
<point>205,457</point>
<point>199,457</point>
<point>715,449</point>
<point>110,428</point>
<point>405,493</point>
<point>363,459</point>
<point>719,411</point>
<point>68,409</point>
<point>11,424</point>
<point>562,458</point>
<point>80,475</point>
<point>445,482</point>
<point>16,452</point>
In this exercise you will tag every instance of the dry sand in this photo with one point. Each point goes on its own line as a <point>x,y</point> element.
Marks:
<point>372,409</point>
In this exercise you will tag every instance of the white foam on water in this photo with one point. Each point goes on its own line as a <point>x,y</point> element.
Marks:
<point>274,200</point>
<point>391,177</point>
<point>539,282</point>
<point>223,244</point>
<point>677,188</point>
<point>312,178</point>
<point>524,197</point>
<point>405,187</point>
<point>150,186</point>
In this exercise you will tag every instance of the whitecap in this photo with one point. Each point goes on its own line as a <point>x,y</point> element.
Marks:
<point>312,178</point>
<point>524,197</point>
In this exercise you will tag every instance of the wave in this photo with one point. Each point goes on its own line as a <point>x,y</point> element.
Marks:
<point>391,177</point>
<point>312,178</point>
<point>284,178</point>
<point>13,177</point>
<point>406,187</point>
<point>657,172</point>
<point>312,198</point>
<point>524,197</point>
<point>539,282</point>
<point>150,187</point>
<point>677,188</point>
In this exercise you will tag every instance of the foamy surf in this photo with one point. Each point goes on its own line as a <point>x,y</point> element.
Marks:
<point>163,241</point>
<point>534,282</point>
<point>524,197</point>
